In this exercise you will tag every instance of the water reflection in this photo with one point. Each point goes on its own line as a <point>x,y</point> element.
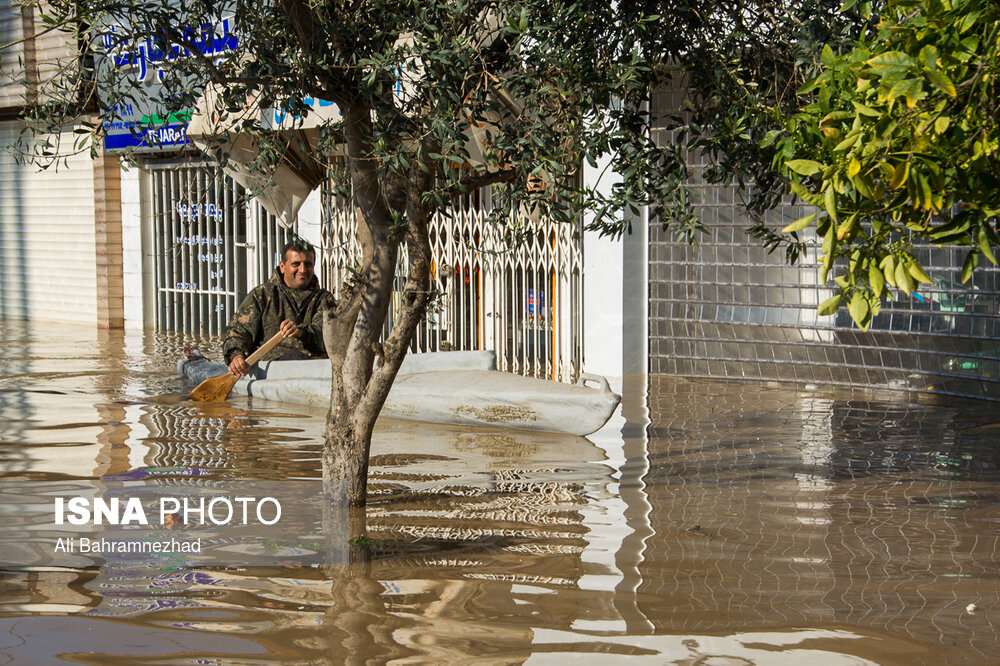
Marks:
<point>821,511</point>
<point>708,523</point>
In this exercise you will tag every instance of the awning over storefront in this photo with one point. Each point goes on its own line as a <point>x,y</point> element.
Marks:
<point>283,189</point>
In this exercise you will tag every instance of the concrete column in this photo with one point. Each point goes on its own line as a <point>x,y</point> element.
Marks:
<point>602,289</point>
<point>136,266</point>
<point>635,296</point>
<point>616,296</point>
<point>108,242</point>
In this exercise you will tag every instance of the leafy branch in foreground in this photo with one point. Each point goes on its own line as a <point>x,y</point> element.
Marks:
<point>900,145</point>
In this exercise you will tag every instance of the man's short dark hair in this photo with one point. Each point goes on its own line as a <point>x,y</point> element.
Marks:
<point>299,245</point>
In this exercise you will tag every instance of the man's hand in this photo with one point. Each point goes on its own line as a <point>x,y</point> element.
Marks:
<point>238,366</point>
<point>289,329</point>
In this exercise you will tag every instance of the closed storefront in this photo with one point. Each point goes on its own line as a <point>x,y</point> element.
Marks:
<point>47,238</point>
<point>48,242</point>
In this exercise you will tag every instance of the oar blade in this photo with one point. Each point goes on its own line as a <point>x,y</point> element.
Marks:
<point>214,389</point>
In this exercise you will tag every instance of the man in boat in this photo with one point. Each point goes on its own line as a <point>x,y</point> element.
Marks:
<point>289,302</point>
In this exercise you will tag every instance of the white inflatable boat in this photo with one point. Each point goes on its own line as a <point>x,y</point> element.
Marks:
<point>456,388</point>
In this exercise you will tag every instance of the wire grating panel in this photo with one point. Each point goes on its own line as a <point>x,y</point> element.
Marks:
<point>726,308</point>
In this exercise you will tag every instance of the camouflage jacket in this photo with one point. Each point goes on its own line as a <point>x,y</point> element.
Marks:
<point>261,313</point>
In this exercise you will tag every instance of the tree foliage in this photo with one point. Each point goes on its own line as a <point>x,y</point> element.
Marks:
<point>742,63</point>
<point>436,99</point>
<point>900,144</point>
<point>553,85</point>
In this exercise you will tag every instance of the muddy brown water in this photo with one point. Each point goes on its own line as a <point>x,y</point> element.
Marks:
<point>708,523</point>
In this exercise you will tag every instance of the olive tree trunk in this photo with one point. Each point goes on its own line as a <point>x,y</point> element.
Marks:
<point>363,368</point>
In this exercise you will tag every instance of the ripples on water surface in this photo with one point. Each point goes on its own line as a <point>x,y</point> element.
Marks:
<point>745,524</point>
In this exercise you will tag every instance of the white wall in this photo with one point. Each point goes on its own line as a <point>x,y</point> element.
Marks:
<point>136,268</point>
<point>615,292</point>
<point>310,222</point>
<point>47,241</point>
<point>635,297</point>
<point>602,289</point>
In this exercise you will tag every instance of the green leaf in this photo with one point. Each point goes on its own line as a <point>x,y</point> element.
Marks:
<point>891,62</point>
<point>888,266</point>
<point>968,21</point>
<point>859,310</point>
<point>799,224</point>
<point>957,225</point>
<point>929,55</point>
<point>804,167</point>
<point>829,242</point>
<point>808,87</point>
<point>827,55</point>
<point>834,116</point>
<point>918,273</point>
<point>830,202</point>
<point>865,110</point>
<point>851,140</point>
<point>914,92</point>
<point>969,264</point>
<point>807,196</point>
<point>984,246</point>
<point>991,235</point>
<point>926,196</point>
<point>875,279</point>
<point>903,279</point>
<point>830,305</point>
<point>941,82</point>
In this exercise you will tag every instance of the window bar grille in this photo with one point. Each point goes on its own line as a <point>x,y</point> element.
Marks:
<point>177,259</point>
<point>254,249</point>
<point>228,236</point>
<point>198,238</point>
<point>183,190</point>
<point>197,285</point>
<point>168,258</point>
<point>170,182</point>
<point>158,250</point>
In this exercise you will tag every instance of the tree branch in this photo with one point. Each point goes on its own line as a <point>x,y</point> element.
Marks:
<point>474,182</point>
<point>415,294</point>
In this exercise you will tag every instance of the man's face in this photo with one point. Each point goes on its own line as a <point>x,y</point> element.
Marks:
<point>297,268</point>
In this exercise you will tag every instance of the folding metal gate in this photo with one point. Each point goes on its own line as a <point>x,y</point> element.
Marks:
<point>520,297</point>
<point>210,245</point>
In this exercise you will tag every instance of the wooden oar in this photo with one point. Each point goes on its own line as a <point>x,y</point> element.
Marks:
<point>215,389</point>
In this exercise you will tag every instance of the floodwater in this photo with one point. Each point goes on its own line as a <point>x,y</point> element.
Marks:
<point>714,523</point>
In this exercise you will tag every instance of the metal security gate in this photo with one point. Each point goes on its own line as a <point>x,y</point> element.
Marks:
<point>522,299</point>
<point>210,246</point>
